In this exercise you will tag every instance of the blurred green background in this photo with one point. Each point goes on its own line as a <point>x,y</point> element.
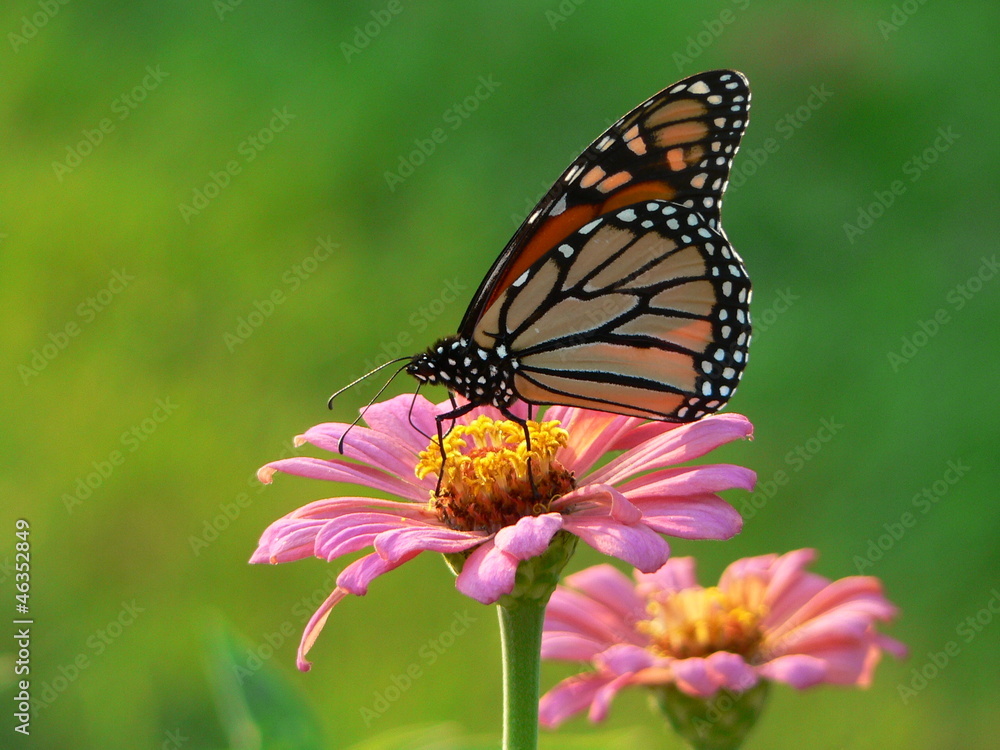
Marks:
<point>168,167</point>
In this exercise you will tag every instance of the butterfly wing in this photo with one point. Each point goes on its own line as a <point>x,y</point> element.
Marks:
<point>676,146</point>
<point>642,311</point>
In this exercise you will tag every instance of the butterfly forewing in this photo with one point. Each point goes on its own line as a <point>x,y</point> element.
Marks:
<point>676,146</point>
<point>643,311</point>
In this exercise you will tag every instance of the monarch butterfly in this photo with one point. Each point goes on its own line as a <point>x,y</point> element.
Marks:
<point>620,291</point>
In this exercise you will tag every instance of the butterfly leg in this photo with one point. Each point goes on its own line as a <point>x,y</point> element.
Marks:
<point>440,419</point>
<point>527,444</point>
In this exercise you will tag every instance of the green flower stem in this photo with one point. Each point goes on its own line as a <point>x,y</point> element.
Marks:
<point>521,639</point>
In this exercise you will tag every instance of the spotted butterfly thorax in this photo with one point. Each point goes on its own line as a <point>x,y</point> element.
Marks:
<point>620,291</point>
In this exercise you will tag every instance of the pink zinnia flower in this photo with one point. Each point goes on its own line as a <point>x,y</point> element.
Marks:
<point>767,619</point>
<point>487,513</point>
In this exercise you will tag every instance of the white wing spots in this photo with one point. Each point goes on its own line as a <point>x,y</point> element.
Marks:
<point>566,250</point>
<point>741,316</point>
<point>719,122</point>
<point>729,373</point>
<point>715,99</point>
<point>716,145</point>
<point>482,353</point>
<point>481,380</point>
<point>742,339</point>
<point>693,220</point>
<point>686,239</point>
<point>710,248</point>
<point>588,228</point>
<point>727,289</point>
<point>725,252</point>
<point>519,281</point>
<point>737,123</point>
<point>668,210</point>
<point>720,354</point>
<point>737,98</point>
<point>704,232</point>
<point>720,161</point>
<point>736,108</point>
<point>732,85</point>
<point>467,361</point>
<point>706,367</point>
<point>709,202</point>
<point>738,356</point>
<point>573,173</point>
<point>602,145</point>
<point>502,351</point>
<point>724,313</point>
<point>647,224</point>
<point>533,217</point>
<point>688,204</point>
<point>652,206</point>
<point>715,271</point>
<point>726,77</point>
<point>677,88</point>
<point>727,331</point>
<point>715,185</point>
<point>706,388</point>
<point>698,181</point>
<point>698,88</point>
<point>743,295</point>
<point>724,390</point>
<point>559,207</point>
<point>673,224</point>
<point>734,270</point>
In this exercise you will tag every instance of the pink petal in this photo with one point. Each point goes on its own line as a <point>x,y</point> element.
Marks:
<point>694,517</point>
<point>602,699</point>
<point>397,543</point>
<point>571,612</point>
<point>637,545</point>
<point>488,574</point>
<point>381,451</point>
<point>590,434</point>
<point>564,646</point>
<point>798,670</point>
<point>690,480</point>
<point>350,533</point>
<point>624,659</point>
<point>694,677</point>
<point>731,671</point>
<point>610,588</point>
<point>676,574</point>
<point>339,470</point>
<point>599,499</point>
<point>570,696</point>
<point>530,536</point>
<point>315,626</point>
<point>685,443</point>
<point>393,417</point>
<point>357,576</point>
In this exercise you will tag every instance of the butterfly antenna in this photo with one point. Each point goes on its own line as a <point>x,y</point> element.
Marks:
<point>340,443</point>
<point>409,414</point>
<point>329,403</point>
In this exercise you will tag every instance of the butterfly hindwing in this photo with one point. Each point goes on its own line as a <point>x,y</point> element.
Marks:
<point>643,311</point>
<point>677,146</point>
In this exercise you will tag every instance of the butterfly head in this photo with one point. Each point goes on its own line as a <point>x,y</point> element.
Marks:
<point>483,376</point>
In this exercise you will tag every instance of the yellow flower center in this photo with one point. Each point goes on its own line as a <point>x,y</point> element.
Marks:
<point>698,622</point>
<point>485,484</point>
